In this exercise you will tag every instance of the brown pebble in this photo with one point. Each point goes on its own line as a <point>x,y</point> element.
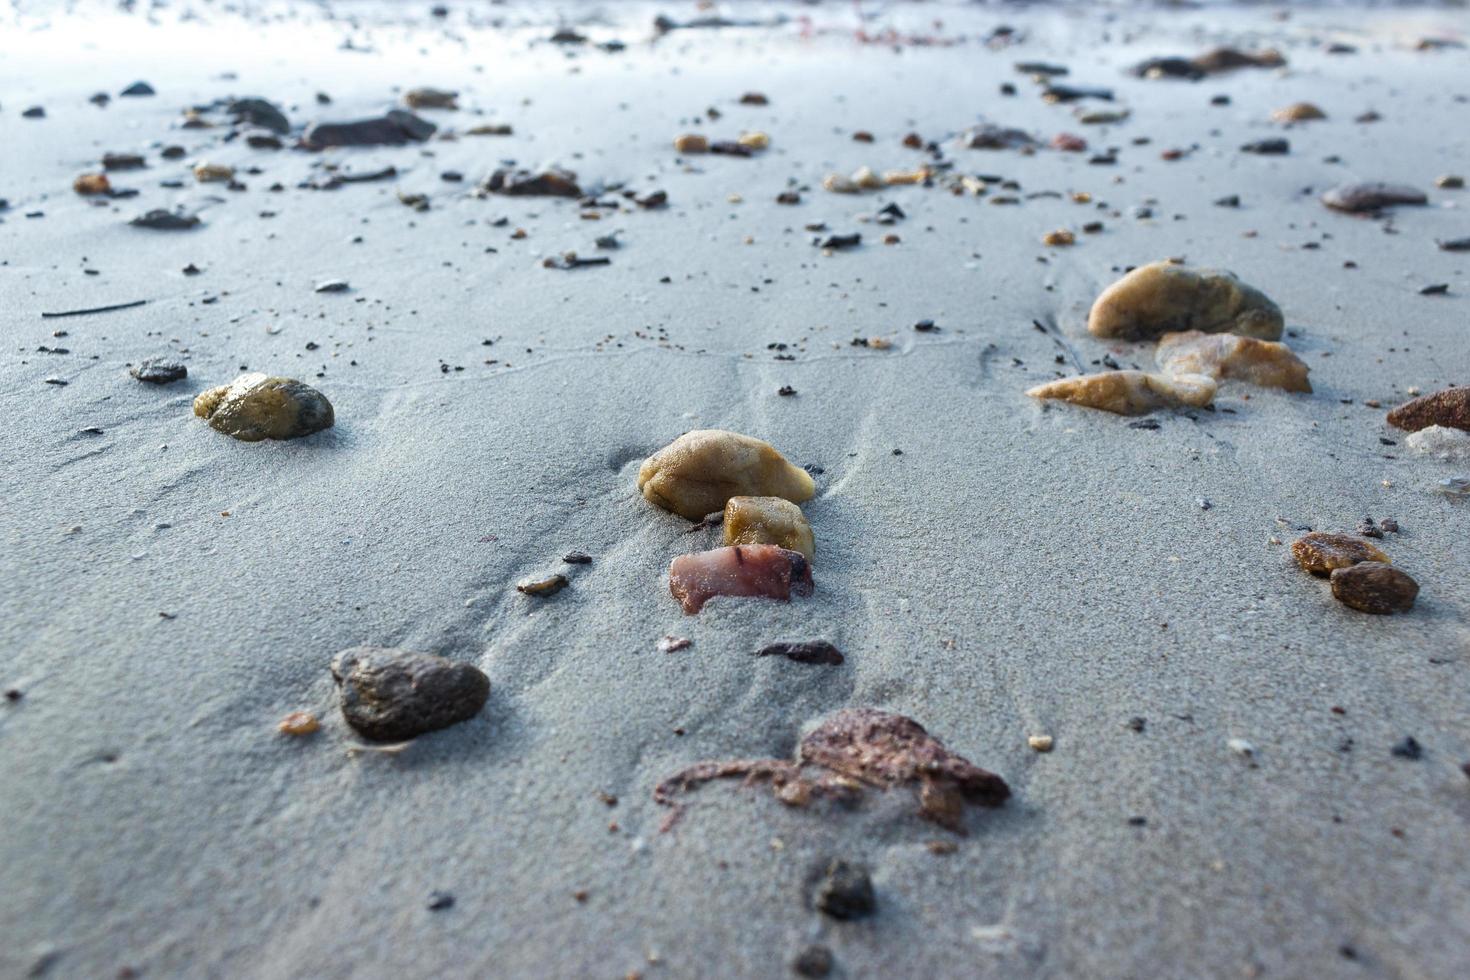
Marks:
<point>1320,553</point>
<point>1374,587</point>
<point>1450,408</point>
<point>299,723</point>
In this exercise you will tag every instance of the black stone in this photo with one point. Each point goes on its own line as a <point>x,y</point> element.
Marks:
<point>389,694</point>
<point>394,128</point>
<point>844,892</point>
<point>159,371</point>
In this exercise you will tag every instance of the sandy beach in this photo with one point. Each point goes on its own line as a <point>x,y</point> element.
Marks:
<point>1245,777</point>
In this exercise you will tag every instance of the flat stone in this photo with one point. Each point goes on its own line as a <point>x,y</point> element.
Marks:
<point>390,695</point>
<point>1374,587</point>
<point>159,371</point>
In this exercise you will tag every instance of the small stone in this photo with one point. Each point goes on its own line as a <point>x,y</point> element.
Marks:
<point>1241,747</point>
<point>691,143</point>
<point>34,112</point>
<point>768,520</point>
<point>866,178</point>
<point>806,652</point>
<point>159,371</point>
<point>298,724</point>
<point>1130,392</point>
<point>671,644</point>
<point>813,961</point>
<point>1040,743</point>
<point>123,161</point>
<point>542,587</point>
<point>754,140</point>
<point>1274,146</point>
<point>1059,237</point>
<point>699,472</point>
<point>1162,297</point>
<point>1220,356</point>
<point>333,286</point>
<point>844,892</point>
<point>754,98</point>
<point>1298,112</point>
<point>1374,587</point>
<point>1449,408</point>
<point>430,98</point>
<point>92,184</point>
<point>1371,196</point>
<point>577,558</point>
<point>1408,748</point>
<point>137,89</point>
<point>840,184</point>
<point>161,220</point>
<point>255,407</point>
<point>394,128</point>
<point>1449,182</point>
<point>551,182</point>
<point>745,570</point>
<point>440,901</point>
<point>1441,442</point>
<point>260,112</point>
<point>213,173</point>
<point>1320,552</point>
<point>389,694</point>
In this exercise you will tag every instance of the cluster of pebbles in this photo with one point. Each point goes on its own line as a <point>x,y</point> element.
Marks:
<point>1362,575</point>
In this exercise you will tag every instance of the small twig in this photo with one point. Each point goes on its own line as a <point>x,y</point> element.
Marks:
<point>95,309</point>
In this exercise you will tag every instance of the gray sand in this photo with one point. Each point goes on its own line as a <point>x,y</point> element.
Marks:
<point>1018,569</point>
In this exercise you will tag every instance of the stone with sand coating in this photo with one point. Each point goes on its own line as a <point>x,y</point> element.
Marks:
<point>1161,297</point>
<point>768,520</point>
<point>255,407</point>
<point>1441,442</point>
<point>1320,552</point>
<point>1130,392</point>
<point>700,471</point>
<point>1223,356</point>
<point>390,694</point>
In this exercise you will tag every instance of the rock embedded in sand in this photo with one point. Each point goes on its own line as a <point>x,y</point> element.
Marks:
<point>1442,442</point>
<point>161,220</point>
<point>1130,392</point>
<point>394,128</point>
<point>700,471</point>
<point>815,960</point>
<point>854,750</point>
<point>1298,112</point>
<point>1449,408</point>
<point>1371,196</point>
<point>762,571</point>
<point>844,892</point>
<point>1374,587</point>
<point>1226,356</point>
<point>259,112</point>
<point>804,652</point>
<point>213,173</point>
<point>551,182</point>
<point>691,143</point>
<point>542,586</point>
<point>90,184</point>
<point>1162,297</point>
<point>298,724</point>
<point>431,98</point>
<point>255,407</point>
<point>1321,552</point>
<point>137,89</point>
<point>768,520</point>
<point>390,695</point>
<point>159,370</point>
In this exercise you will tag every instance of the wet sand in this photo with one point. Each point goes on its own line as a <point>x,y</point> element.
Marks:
<point>990,565</point>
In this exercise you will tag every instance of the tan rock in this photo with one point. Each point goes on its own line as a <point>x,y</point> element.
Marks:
<point>255,407</point>
<point>754,140</point>
<point>1373,587</point>
<point>1130,392</point>
<point>700,471</point>
<point>89,184</point>
<point>1226,356</point>
<point>768,520</point>
<point>691,143</point>
<point>1321,552</point>
<point>431,98</point>
<point>1298,112</point>
<point>1161,297</point>
<point>213,173</point>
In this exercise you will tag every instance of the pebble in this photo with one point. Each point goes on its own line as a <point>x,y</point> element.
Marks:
<point>333,286</point>
<point>763,571</point>
<point>844,892</point>
<point>806,652</point>
<point>1449,182</point>
<point>1298,112</point>
<point>768,520</point>
<point>551,182</point>
<point>430,98</point>
<point>440,901</point>
<point>213,173</point>
<point>1320,552</point>
<point>1059,237</point>
<point>1130,392</point>
<point>394,128</point>
<point>1442,442</point>
<point>259,112</point>
<point>1408,748</point>
<point>298,724</point>
<point>1374,587</point>
<point>91,184</point>
<point>162,220</point>
<point>255,407</point>
<point>390,695</point>
<point>1040,743</point>
<point>1241,747</point>
<point>1161,297</point>
<point>159,370</point>
<point>137,89</point>
<point>1226,356</point>
<point>1274,146</point>
<point>813,961</point>
<point>123,161</point>
<point>1449,408</point>
<point>1358,198</point>
<point>671,643</point>
<point>691,143</point>
<point>548,585</point>
<point>699,472</point>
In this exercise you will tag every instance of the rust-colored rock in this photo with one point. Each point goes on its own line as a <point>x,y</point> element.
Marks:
<point>1374,587</point>
<point>1320,552</point>
<point>852,751</point>
<point>1449,408</point>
